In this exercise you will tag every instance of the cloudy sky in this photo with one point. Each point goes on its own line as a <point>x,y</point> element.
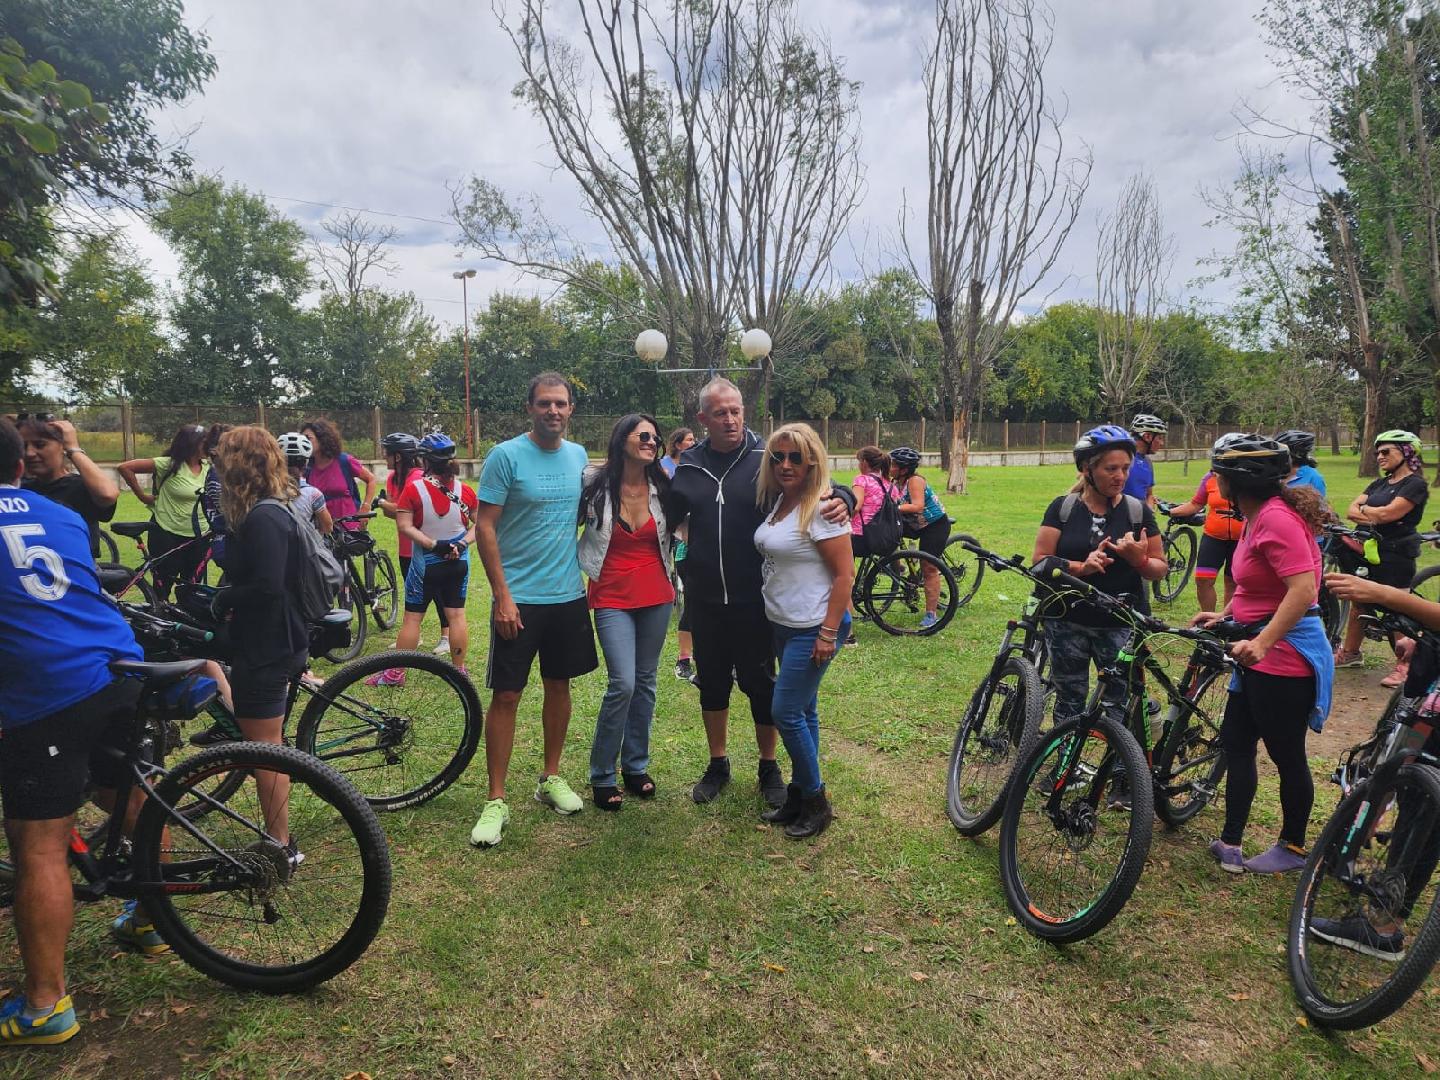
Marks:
<point>378,105</point>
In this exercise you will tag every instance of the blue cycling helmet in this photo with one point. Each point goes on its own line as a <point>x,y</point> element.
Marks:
<point>438,446</point>
<point>1098,440</point>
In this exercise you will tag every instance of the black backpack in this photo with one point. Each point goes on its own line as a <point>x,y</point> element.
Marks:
<point>881,534</point>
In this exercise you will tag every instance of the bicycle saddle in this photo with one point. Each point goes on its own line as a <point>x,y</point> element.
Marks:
<point>133,529</point>
<point>157,675</point>
<point>113,579</point>
<point>335,617</point>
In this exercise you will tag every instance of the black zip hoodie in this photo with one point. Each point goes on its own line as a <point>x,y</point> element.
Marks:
<point>716,492</point>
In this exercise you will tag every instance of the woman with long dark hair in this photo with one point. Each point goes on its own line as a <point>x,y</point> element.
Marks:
<point>178,481</point>
<point>1283,684</point>
<point>336,473</point>
<point>625,552</point>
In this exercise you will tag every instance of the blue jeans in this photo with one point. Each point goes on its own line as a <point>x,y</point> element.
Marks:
<point>795,704</point>
<point>632,640</point>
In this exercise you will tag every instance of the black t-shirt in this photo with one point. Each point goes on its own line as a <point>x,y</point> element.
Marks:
<point>268,630</point>
<point>1081,535</point>
<point>1382,493</point>
<point>70,490</point>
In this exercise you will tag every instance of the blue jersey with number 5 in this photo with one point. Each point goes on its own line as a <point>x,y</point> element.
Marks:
<point>58,630</point>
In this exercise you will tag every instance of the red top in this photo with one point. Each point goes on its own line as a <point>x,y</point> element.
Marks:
<point>633,574</point>
<point>413,500</point>
<point>394,485</point>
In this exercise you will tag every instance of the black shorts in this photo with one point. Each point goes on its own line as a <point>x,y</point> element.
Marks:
<point>47,767</point>
<point>1393,570</point>
<point>258,693</point>
<point>734,643</point>
<point>933,537</point>
<point>176,558</point>
<point>560,633</point>
<point>1214,556</point>
<point>443,584</point>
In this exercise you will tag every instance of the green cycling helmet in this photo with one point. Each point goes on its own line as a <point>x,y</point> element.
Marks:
<point>1399,437</point>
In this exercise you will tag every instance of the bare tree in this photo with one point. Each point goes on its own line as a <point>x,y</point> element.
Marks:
<point>715,143</point>
<point>359,248</point>
<point>1003,195</point>
<point>1132,264</point>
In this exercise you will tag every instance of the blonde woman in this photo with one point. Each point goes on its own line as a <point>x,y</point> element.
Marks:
<point>806,574</point>
<point>267,631</point>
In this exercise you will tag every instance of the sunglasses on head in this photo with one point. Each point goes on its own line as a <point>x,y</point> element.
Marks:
<point>779,457</point>
<point>43,417</point>
<point>646,438</point>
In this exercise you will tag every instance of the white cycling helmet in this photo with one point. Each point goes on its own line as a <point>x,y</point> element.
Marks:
<point>296,447</point>
<point>1148,424</point>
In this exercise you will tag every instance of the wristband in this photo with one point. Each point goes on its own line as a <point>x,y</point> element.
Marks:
<point>77,450</point>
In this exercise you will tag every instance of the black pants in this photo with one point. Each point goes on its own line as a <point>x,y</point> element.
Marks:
<point>404,570</point>
<point>1275,708</point>
<point>733,643</point>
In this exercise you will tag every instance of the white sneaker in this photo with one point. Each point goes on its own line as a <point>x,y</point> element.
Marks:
<point>442,649</point>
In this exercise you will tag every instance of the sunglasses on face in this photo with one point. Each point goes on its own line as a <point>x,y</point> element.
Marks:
<point>1383,451</point>
<point>43,417</point>
<point>646,438</point>
<point>795,457</point>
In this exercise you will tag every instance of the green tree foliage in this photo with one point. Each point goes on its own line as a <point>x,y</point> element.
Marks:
<point>240,332</point>
<point>511,339</point>
<point>1049,368</point>
<point>368,349</point>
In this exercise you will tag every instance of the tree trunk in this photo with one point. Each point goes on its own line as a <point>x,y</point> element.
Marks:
<point>972,383</point>
<point>1375,401</point>
<point>1335,438</point>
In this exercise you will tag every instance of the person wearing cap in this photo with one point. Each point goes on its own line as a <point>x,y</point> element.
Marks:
<point>436,512</point>
<point>1303,472</point>
<point>1149,432</point>
<point>402,465</point>
<point>1282,685</point>
<point>1110,539</point>
<point>1392,507</point>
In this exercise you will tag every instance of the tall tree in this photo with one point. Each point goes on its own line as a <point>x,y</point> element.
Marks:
<point>1132,264</point>
<point>716,145</point>
<point>240,330</point>
<point>1003,194</point>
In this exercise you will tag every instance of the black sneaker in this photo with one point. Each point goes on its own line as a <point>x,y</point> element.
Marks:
<point>214,735</point>
<point>772,784</point>
<point>1355,933</point>
<point>685,670</point>
<point>717,775</point>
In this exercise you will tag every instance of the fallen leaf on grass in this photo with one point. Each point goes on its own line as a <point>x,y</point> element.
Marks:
<point>780,968</point>
<point>877,1057</point>
<point>919,976</point>
<point>358,1074</point>
<point>1303,1021</point>
<point>1240,996</point>
<point>987,929</point>
<point>867,948</point>
<point>449,1059</point>
<point>1012,921</point>
<point>584,920</point>
<point>180,1010</point>
<point>1426,1064</point>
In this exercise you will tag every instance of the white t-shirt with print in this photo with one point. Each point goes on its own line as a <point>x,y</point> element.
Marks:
<point>796,582</point>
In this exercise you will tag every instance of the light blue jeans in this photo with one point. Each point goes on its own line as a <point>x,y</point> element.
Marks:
<point>631,640</point>
<point>796,703</point>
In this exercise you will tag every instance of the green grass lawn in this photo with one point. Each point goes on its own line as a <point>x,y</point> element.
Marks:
<point>674,939</point>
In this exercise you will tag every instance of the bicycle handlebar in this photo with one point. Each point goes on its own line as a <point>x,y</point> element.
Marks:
<point>143,620</point>
<point>1216,636</point>
<point>364,515</point>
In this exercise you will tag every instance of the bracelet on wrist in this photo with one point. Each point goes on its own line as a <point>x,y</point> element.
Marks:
<point>832,629</point>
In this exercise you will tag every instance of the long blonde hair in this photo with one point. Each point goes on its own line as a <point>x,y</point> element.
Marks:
<point>251,468</point>
<point>805,439</point>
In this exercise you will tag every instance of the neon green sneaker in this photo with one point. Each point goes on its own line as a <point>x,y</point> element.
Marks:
<point>56,1026</point>
<point>128,931</point>
<point>493,820</point>
<point>555,793</point>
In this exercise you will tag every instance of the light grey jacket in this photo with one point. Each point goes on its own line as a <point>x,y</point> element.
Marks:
<point>595,539</point>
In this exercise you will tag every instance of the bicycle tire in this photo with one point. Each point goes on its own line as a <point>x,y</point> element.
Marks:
<point>895,593</point>
<point>351,597</point>
<point>1193,748</point>
<point>967,569</point>
<point>335,827</point>
<point>108,551</point>
<point>141,584</point>
<point>1309,955</point>
<point>1334,614</point>
<point>989,742</point>
<point>385,599</point>
<point>1180,553</point>
<point>1427,584</point>
<point>1061,919</point>
<point>349,725</point>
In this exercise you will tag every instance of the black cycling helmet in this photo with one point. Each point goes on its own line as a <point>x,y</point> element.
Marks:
<point>400,442</point>
<point>1247,455</point>
<point>906,457</point>
<point>1100,439</point>
<point>437,446</point>
<point>1301,445</point>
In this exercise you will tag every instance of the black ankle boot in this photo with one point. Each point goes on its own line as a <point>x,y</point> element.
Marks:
<point>815,816</point>
<point>772,784</point>
<point>787,811</point>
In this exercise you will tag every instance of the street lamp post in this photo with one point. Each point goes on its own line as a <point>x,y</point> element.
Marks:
<point>756,345</point>
<point>464,277</point>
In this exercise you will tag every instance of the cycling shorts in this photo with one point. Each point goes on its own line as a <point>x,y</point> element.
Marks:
<point>1214,555</point>
<point>444,582</point>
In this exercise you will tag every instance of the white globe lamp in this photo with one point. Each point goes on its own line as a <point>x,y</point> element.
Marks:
<point>755,344</point>
<point>651,346</point>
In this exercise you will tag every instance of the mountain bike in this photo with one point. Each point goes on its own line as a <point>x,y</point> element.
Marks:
<point>226,894</point>
<point>889,590</point>
<point>966,567</point>
<point>1068,860</point>
<point>1179,546</point>
<point>108,551</point>
<point>119,580</point>
<point>1426,582</point>
<point>1354,955</point>
<point>369,584</point>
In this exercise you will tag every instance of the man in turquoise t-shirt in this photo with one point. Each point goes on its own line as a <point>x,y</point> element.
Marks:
<point>525,532</point>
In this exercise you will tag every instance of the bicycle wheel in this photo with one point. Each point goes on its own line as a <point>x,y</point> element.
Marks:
<point>967,569</point>
<point>108,551</point>
<point>1347,973</point>
<point>384,592</point>
<point>999,728</point>
<point>1191,761</point>
<point>351,598</point>
<point>1067,864</point>
<point>1334,613</point>
<point>895,593</point>
<point>1427,584</point>
<point>1179,564</point>
<point>240,908</point>
<point>141,586</point>
<point>401,743</point>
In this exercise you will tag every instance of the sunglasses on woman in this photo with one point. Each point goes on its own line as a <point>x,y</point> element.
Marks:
<point>795,457</point>
<point>646,438</point>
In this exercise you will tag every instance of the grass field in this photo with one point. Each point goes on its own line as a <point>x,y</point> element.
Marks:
<point>674,939</point>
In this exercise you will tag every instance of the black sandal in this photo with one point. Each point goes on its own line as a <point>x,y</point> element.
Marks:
<point>607,798</point>
<point>639,784</point>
